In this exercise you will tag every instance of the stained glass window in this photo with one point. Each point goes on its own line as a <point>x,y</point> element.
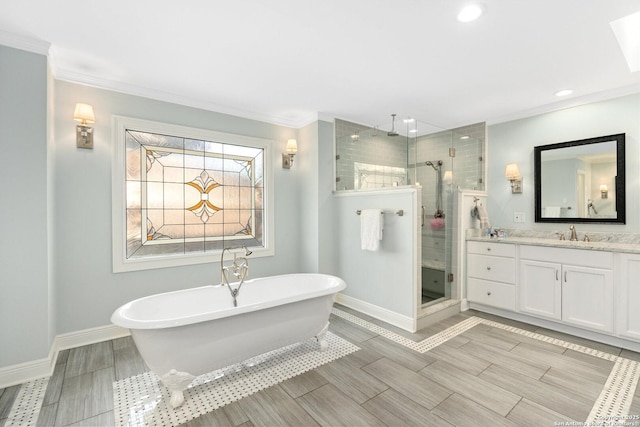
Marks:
<point>188,196</point>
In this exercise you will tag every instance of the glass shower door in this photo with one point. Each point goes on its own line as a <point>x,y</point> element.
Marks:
<point>432,161</point>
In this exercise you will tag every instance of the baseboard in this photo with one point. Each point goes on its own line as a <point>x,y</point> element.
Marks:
<point>89,336</point>
<point>438,313</point>
<point>555,326</point>
<point>28,371</point>
<point>392,318</point>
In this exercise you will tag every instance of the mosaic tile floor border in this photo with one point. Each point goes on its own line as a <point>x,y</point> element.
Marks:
<point>28,403</point>
<point>141,400</point>
<point>614,400</point>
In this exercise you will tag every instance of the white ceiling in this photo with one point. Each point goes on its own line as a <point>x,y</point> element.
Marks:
<point>286,61</point>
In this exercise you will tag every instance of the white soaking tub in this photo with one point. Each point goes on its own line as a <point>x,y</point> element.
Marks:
<point>187,333</point>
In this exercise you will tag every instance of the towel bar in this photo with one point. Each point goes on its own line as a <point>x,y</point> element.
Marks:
<point>399,212</point>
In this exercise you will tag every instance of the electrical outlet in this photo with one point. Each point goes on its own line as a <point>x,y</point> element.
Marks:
<point>518,217</point>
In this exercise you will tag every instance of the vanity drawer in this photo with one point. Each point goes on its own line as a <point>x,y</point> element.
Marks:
<point>491,248</point>
<point>495,268</point>
<point>583,257</point>
<point>498,295</point>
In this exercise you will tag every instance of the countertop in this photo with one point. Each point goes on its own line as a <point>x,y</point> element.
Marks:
<point>557,243</point>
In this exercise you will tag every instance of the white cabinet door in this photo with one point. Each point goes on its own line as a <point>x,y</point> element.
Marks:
<point>587,297</point>
<point>539,291</point>
<point>628,297</point>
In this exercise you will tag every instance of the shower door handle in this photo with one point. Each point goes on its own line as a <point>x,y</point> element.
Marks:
<point>423,211</point>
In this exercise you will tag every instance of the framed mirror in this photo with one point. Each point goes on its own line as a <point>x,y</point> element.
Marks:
<point>581,181</point>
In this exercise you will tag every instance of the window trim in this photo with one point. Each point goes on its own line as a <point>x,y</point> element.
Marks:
<point>118,193</point>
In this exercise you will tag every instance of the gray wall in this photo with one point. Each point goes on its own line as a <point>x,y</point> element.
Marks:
<point>88,291</point>
<point>385,278</point>
<point>514,141</point>
<point>56,212</point>
<point>24,213</point>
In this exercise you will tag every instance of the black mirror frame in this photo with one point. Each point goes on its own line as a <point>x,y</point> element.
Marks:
<point>619,181</point>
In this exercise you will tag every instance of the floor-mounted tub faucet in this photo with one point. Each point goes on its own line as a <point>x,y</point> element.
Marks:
<point>239,268</point>
<point>234,266</point>
<point>574,235</point>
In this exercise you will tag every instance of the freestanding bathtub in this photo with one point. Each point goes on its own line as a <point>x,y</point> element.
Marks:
<point>187,333</point>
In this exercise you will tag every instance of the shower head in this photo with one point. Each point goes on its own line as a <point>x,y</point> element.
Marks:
<point>436,168</point>
<point>393,132</point>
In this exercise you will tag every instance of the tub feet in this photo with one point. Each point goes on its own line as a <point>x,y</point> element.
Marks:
<point>321,337</point>
<point>177,383</point>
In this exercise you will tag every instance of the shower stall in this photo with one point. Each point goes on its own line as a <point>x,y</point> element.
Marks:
<point>442,163</point>
<point>409,152</point>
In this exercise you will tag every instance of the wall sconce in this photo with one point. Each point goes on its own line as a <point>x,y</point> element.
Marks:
<point>84,134</point>
<point>604,191</point>
<point>287,158</point>
<point>513,175</point>
<point>448,177</point>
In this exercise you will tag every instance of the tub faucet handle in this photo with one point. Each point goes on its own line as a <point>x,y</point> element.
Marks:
<point>561,235</point>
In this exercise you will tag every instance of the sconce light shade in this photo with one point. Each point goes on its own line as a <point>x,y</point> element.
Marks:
<point>84,114</point>
<point>84,134</point>
<point>292,146</point>
<point>512,172</point>
<point>287,158</point>
<point>604,191</point>
<point>448,177</point>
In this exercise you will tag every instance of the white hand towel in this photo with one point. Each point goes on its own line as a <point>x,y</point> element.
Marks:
<point>483,216</point>
<point>552,211</point>
<point>371,224</point>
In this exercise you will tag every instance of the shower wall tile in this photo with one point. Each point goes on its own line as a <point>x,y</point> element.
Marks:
<point>372,147</point>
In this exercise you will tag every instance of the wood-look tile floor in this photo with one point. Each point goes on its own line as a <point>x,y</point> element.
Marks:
<point>482,377</point>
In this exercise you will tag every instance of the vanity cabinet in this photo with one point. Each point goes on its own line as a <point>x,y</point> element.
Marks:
<point>539,289</point>
<point>491,274</point>
<point>571,285</point>
<point>628,297</point>
<point>588,291</point>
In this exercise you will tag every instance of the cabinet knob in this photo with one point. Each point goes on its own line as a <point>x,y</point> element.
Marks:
<point>488,268</point>
<point>489,249</point>
<point>489,293</point>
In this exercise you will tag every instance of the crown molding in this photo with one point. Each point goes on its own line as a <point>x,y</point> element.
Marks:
<point>159,95</point>
<point>24,43</point>
<point>45,48</point>
<point>569,103</point>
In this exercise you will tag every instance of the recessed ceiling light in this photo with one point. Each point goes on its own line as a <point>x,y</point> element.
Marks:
<point>627,31</point>
<point>408,120</point>
<point>413,131</point>
<point>464,137</point>
<point>564,92</point>
<point>470,12</point>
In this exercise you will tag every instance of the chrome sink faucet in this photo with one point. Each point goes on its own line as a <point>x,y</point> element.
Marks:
<point>574,235</point>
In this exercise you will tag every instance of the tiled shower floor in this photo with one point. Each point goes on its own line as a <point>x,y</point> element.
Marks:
<point>471,369</point>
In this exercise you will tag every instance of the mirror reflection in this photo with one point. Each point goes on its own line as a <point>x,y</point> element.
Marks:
<point>581,181</point>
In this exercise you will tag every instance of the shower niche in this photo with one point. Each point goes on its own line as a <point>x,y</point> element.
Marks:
<point>410,152</point>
